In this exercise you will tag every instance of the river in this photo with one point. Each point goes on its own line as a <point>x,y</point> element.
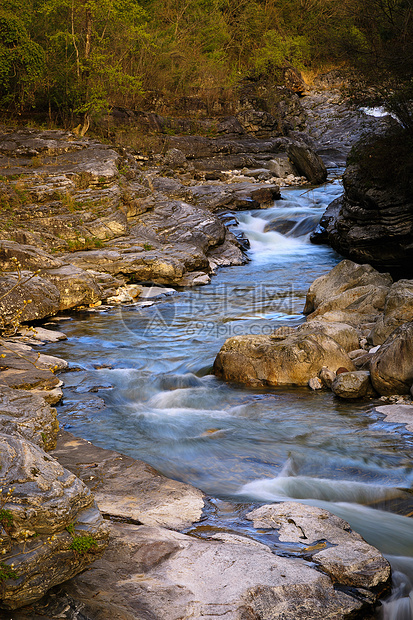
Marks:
<point>143,387</point>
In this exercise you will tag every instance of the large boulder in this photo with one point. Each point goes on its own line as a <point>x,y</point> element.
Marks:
<point>76,286</point>
<point>266,361</point>
<point>349,293</point>
<point>398,309</point>
<point>351,385</point>
<point>391,366</point>
<point>307,162</point>
<point>51,527</point>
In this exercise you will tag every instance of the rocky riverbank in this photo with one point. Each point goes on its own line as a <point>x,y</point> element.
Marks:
<point>86,224</point>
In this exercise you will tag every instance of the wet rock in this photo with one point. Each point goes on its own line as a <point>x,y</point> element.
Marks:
<point>293,360</point>
<point>398,414</point>
<point>127,488</point>
<point>203,578</point>
<point>398,309</point>
<point>392,366</point>
<point>44,500</point>
<point>344,555</point>
<point>307,162</point>
<point>354,384</point>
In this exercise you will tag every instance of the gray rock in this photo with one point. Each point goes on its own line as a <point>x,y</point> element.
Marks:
<point>398,414</point>
<point>344,555</point>
<point>30,257</point>
<point>154,573</point>
<point>354,384</point>
<point>315,383</point>
<point>307,162</point>
<point>392,366</point>
<point>43,500</point>
<point>127,488</point>
<point>174,158</point>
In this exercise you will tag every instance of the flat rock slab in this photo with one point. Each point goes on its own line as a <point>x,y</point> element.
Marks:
<point>339,551</point>
<point>399,414</point>
<point>155,574</point>
<point>130,489</point>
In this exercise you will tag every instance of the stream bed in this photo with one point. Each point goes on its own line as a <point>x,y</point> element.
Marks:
<point>143,386</point>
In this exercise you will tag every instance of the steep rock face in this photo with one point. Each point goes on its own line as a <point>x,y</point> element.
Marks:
<point>373,221</point>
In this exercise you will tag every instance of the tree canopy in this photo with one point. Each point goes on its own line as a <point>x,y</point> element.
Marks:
<point>76,57</point>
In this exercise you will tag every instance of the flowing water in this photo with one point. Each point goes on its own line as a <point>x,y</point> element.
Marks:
<point>143,387</point>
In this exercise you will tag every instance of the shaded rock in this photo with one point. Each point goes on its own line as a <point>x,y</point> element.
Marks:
<point>354,384</point>
<point>44,296</point>
<point>392,366</point>
<point>398,309</point>
<point>374,220</point>
<point>398,414</point>
<point>326,377</point>
<point>349,293</point>
<point>29,415</point>
<point>307,162</point>
<point>127,488</point>
<point>294,360</point>
<point>345,556</point>
<point>174,158</point>
<point>44,500</point>
<point>30,257</point>
<point>76,286</point>
<point>22,370</point>
<point>203,578</point>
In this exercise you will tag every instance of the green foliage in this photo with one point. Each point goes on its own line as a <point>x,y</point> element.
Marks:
<point>6,518</point>
<point>7,572</point>
<point>84,543</point>
<point>78,58</point>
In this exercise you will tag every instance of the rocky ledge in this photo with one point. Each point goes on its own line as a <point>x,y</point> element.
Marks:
<point>357,339</point>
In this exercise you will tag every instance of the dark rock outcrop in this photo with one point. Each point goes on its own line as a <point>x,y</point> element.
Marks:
<point>373,221</point>
<point>307,162</point>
